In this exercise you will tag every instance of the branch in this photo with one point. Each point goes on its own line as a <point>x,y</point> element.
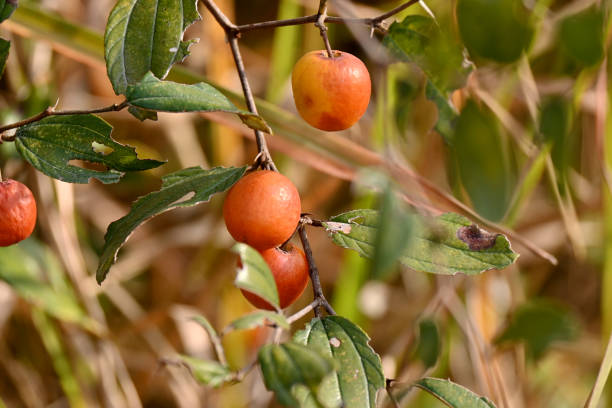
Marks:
<point>320,24</point>
<point>50,111</point>
<point>374,22</point>
<point>263,159</point>
<point>314,275</point>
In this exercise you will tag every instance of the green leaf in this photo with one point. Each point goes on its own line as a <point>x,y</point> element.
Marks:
<point>556,118</point>
<point>166,96</point>
<point>497,30</point>
<point>254,275</point>
<point>51,143</point>
<point>145,35</point>
<point>483,164</point>
<point>582,36</point>
<point>208,372</point>
<point>34,272</point>
<point>358,375</point>
<point>7,7</point>
<point>393,235</point>
<point>453,395</point>
<point>183,188</point>
<point>258,318</point>
<point>429,346</point>
<point>142,114</point>
<point>202,321</point>
<point>539,324</point>
<point>289,365</point>
<point>447,114</point>
<point>436,246</point>
<point>4,53</point>
<point>420,39</point>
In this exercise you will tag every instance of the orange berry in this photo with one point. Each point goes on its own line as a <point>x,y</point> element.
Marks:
<point>17,212</point>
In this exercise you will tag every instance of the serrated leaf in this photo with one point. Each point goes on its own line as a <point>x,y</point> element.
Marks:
<point>143,36</point>
<point>4,53</point>
<point>497,30</point>
<point>539,324</point>
<point>582,36</point>
<point>286,366</point>
<point>358,371</point>
<point>52,142</point>
<point>208,372</point>
<point>183,188</point>
<point>429,345</point>
<point>435,248</point>
<point>167,96</point>
<point>33,271</point>
<point>419,39</point>
<point>453,395</point>
<point>254,275</point>
<point>7,7</point>
<point>258,318</point>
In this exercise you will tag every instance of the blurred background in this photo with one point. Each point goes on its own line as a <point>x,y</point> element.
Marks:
<point>527,152</point>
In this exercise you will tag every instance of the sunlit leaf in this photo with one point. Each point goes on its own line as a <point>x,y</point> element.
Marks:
<point>497,30</point>
<point>435,245</point>
<point>183,188</point>
<point>258,318</point>
<point>288,365</point>
<point>52,142</point>
<point>146,35</point>
<point>254,275</point>
<point>358,372</point>
<point>540,324</point>
<point>453,395</point>
<point>208,372</point>
<point>167,96</point>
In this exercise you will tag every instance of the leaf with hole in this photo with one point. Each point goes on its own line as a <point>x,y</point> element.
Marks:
<point>167,96</point>
<point>254,275</point>
<point>208,372</point>
<point>358,375</point>
<point>288,366</point>
<point>52,142</point>
<point>183,188</point>
<point>435,246</point>
<point>453,395</point>
<point>146,35</point>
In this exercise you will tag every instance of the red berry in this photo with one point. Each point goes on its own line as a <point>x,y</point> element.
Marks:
<point>17,212</point>
<point>290,271</point>
<point>262,209</point>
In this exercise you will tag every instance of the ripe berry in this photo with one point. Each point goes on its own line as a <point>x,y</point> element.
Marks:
<point>262,209</point>
<point>290,271</point>
<point>331,93</point>
<point>17,212</point>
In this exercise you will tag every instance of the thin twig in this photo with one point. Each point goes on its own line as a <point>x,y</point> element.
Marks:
<point>298,315</point>
<point>314,274</point>
<point>320,24</point>
<point>602,377</point>
<point>388,387</point>
<point>50,111</point>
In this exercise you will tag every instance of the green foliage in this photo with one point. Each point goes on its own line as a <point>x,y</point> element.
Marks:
<point>453,395</point>
<point>582,36</point>
<point>358,368</point>
<point>429,345</point>
<point>288,366</point>
<point>540,323</point>
<point>4,53</point>
<point>183,188</point>
<point>7,7</point>
<point>435,246</point>
<point>166,96</point>
<point>52,142</point>
<point>555,128</point>
<point>207,372</point>
<point>497,30</point>
<point>146,35</point>
<point>259,318</point>
<point>482,161</point>
<point>447,114</point>
<point>254,275</point>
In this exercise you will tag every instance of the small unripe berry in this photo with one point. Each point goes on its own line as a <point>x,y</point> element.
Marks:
<point>331,93</point>
<point>262,209</point>
<point>17,212</point>
<point>290,271</point>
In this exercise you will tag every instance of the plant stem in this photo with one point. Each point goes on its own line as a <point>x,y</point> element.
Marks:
<point>321,15</point>
<point>298,315</point>
<point>604,371</point>
<point>314,275</point>
<point>263,159</point>
<point>50,111</point>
